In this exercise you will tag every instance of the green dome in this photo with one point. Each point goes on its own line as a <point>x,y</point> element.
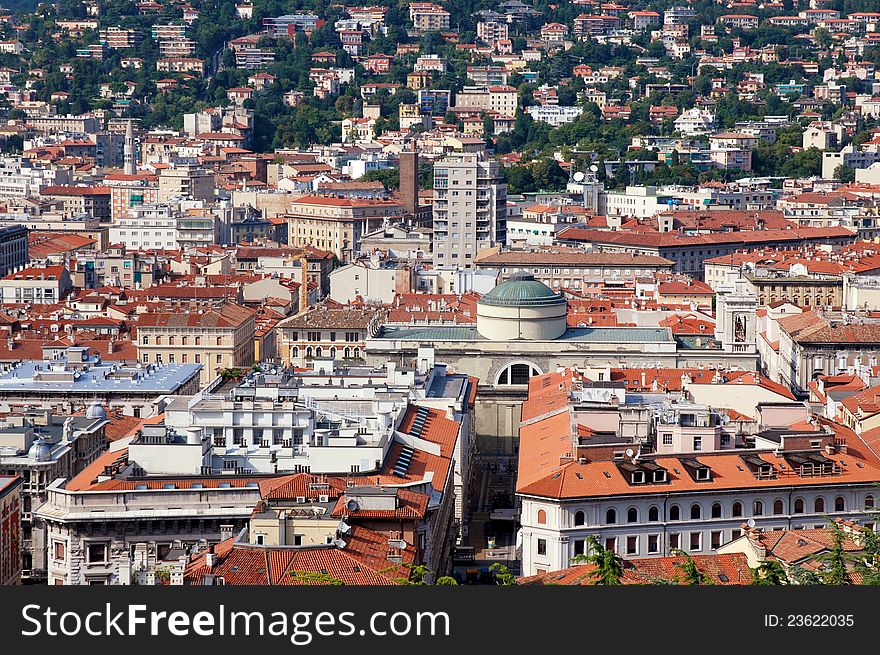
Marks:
<point>522,290</point>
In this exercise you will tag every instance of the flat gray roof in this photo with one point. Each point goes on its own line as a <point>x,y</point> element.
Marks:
<point>589,334</point>
<point>99,378</point>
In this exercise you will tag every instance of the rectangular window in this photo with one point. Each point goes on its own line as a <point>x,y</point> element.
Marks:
<point>667,439</point>
<point>698,443</point>
<point>653,543</point>
<point>542,546</point>
<point>59,550</point>
<point>580,546</point>
<point>96,553</point>
<point>297,540</point>
<point>674,540</point>
<point>717,537</point>
<point>696,540</point>
<point>632,545</point>
<point>611,544</point>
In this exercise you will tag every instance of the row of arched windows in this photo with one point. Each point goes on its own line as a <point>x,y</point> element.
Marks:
<point>319,352</point>
<point>716,511</point>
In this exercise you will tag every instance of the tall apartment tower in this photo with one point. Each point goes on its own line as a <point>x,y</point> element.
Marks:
<point>409,181</point>
<point>128,156</point>
<point>470,208</point>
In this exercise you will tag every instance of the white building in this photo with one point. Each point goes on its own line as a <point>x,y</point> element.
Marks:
<point>21,178</point>
<point>695,121</point>
<point>148,227</point>
<point>470,208</point>
<point>695,498</point>
<point>555,115</point>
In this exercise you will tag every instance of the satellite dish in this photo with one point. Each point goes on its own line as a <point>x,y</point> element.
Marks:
<point>630,452</point>
<point>751,523</point>
<point>352,505</point>
<point>594,168</point>
<point>579,176</point>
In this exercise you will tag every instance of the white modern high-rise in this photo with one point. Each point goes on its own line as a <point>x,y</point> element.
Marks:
<point>129,160</point>
<point>470,208</point>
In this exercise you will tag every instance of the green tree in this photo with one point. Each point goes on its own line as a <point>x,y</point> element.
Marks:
<point>690,571</point>
<point>845,174</point>
<point>389,177</point>
<point>313,577</point>
<point>446,581</point>
<point>503,576</point>
<point>836,559</point>
<point>608,565</point>
<point>769,572</point>
<point>800,575</point>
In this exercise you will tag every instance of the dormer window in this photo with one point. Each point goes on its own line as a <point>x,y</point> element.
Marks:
<point>660,475</point>
<point>702,474</point>
<point>638,477</point>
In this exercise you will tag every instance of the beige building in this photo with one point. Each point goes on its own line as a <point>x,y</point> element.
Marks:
<point>337,224</point>
<point>326,333</point>
<point>187,181</point>
<point>218,339</point>
<point>569,267</point>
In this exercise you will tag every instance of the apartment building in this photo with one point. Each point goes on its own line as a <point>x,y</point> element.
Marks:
<point>326,333</point>
<point>470,208</point>
<point>148,227</point>
<point>22,178</point>
<point>38,286</point>
<point>337,223</point>
<point>216,338</point>
<point>641,503</point>
<point>428,17</point>
<point>78,200</point>
<point>186,181</point>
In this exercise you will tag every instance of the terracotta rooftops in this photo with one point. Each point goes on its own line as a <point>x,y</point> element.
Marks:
<point>363,560</point>
<point>727,569</point>
<point>679,239</point>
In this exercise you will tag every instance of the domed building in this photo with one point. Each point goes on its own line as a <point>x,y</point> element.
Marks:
<point>40,451</point>
<point>521,308</point>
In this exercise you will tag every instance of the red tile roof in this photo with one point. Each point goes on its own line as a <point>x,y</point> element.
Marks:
<point>727,569</point>
<point>362,561</point>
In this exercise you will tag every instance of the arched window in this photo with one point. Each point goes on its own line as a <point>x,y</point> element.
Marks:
<point>579,517</point>
<point>309,352</point>
<point>758,508</point>
<point>517,374</point>
<point>716,510</point>
<point>869,502</point>
<point>333,352</point>
<point>198,341</point>
<point>695,511</point>
<point>737,510</point>
<point>542,517</point>
<point>347,353</point>
<point>294,352</point>
<point>839,504</point>
<point>611,517</point>
<point>778,507</point>
<point>318,351</point>
<point>819,505</point>
<point>632,515</point>
<point>799,506</point>
<point>653,513</point>
<point>674,513</point>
